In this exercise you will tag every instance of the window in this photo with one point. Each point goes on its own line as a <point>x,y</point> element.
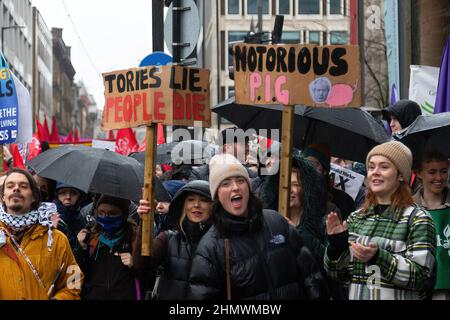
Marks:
<point>284,7</point>
<point>233,6</point>
<point>252,6</point>
<point>335,7</point>
<point>338,37</point>
<point>230,92</point>
<point>234,36</point>
<point>309,6</point>
<point>314,37</point>
<point>290,37</point>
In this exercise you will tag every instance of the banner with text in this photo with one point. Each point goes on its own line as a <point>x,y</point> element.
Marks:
<point>327,76</point>
<point>9,113</point>
<point>346,180</point>
<point>170,95</point>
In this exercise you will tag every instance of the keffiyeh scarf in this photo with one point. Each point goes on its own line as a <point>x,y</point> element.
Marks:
<point>42,216</point>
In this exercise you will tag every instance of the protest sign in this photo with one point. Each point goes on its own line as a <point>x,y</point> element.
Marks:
<point>423,87</point>
<point>9,113</point>
<point>170,95</point>
<point>346,180</point>
<point>297,74</point>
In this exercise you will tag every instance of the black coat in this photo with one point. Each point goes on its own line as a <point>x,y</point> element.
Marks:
<point>267,262</point>
<point>106,277</point>
<point>174,283</point>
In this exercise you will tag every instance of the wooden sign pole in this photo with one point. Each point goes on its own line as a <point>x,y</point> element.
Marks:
<point>149,191</point>
<point>287,128</point>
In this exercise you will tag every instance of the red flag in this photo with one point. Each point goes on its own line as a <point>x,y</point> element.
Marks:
<point>54,137</point>
<point>46,131</point>
<point>42,135</point>
<point>17,157</point>
<point>159,140</point>
<point>143,146</point>
<point>69,137</point>
<point>160,136</point>
<point>34,147</point>
<point>5,166</point>
<point>111,135</point>
<point>76,137</point>
<point>126,142</point>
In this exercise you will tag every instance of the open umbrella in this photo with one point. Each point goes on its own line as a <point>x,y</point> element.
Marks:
<point>186,151</point>
<point>95,170</point>
<point>430,132</point>
<point>349,132</point>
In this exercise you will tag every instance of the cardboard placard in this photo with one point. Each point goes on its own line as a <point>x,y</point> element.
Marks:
<point>327,76</point>
<point>170,95</point>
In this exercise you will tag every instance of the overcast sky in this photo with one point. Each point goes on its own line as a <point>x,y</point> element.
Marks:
<point>117,34</point>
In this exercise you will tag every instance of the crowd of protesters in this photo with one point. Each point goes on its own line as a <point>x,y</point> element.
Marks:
<point>221,237</point>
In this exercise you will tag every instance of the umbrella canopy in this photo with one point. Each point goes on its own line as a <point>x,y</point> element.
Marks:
<point>95,170</point>
<point>430,132</point>
<point>349,132</point>
<point>186,151</point>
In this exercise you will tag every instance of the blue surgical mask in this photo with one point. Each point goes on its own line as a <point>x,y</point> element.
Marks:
<point>110,225</point>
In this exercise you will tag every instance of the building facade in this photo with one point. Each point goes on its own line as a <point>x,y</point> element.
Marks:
<point>85,114</point>
<point>63,83</point>
<point>16,34</point>
<point>43,70</point>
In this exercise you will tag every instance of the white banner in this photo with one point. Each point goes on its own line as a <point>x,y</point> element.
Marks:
<point>103,144</point>
<point>346,180</point>
<point>25,130</point>
<point>423,86</point>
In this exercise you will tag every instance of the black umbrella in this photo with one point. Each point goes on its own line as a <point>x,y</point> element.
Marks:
<point>187,152</point>
<point>427,133</point>
<point>350,132</point>
<point>95,170</point>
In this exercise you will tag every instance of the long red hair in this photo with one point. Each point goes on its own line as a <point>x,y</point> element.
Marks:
<point>400,199</point>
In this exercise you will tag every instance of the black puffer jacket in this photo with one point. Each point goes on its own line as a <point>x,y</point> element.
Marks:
<point>267,261</point>
<point>174,283</point>
<point>174,249</point>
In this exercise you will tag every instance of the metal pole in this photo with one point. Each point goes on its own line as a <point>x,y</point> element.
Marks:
<point>158,25</point>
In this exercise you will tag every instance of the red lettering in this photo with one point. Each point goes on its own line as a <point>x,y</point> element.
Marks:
<point>109,105</point>
<point>127,108</point>
<point>146,116</point>
<point>119,110</point>
<point>188,106</point>
<point>137,102</point>
<point>178,106</point>
<point>158,105</point>
<point>199,107</point>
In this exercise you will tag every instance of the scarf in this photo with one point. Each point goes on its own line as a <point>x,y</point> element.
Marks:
<point>19,223</point>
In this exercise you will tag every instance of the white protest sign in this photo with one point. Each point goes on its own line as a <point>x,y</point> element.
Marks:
<point>423,87</point>
<point>346,180</point>
<point>25,131</point>
<point>104,144</point>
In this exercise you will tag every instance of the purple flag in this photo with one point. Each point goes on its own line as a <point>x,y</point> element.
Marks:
<point>393,94</point>
<point>443,89</point>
